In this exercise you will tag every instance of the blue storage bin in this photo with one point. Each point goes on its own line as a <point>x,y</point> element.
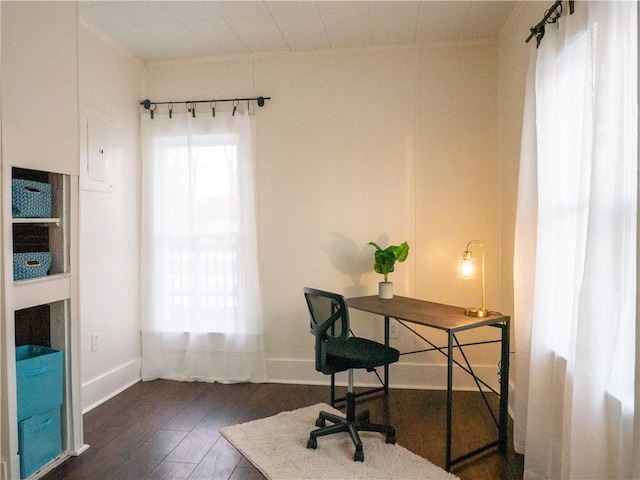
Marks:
<point>38,379</point>
<point>39,440</point>
<point>30,199</point>
<point>31,265</point>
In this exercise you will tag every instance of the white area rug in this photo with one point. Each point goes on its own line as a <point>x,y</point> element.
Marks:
<point>277,446</point>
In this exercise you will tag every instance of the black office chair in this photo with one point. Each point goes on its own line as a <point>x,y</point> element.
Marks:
<point>336,351</point>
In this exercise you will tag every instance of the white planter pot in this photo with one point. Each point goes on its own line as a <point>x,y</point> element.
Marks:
<point>385,289</point>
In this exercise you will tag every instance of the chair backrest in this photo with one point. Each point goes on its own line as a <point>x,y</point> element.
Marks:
<point>329,321</point>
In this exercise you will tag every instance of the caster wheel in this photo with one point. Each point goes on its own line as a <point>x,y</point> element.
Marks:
<point>320,422</point>
<point>391,439</point>
<point>312,443</point>
<point>358,456</point>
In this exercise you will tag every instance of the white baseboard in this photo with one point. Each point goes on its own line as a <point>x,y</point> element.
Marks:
<point>108,385</point>
<point>79,451</point>
<point>402,375</point>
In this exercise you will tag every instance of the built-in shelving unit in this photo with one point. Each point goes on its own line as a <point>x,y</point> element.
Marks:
<point>43,309</point>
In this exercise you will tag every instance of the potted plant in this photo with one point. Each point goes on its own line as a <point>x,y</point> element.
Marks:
<point>384,261</point>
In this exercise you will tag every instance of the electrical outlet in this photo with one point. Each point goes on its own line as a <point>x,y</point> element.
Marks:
<point>394,329</point>
<point>94,342</point>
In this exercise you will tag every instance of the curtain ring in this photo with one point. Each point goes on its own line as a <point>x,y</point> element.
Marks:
<point>191,107</point>
<point>151,110</point>
<point>170,110</point>
<point>236,102</point>
<point>212,104</point>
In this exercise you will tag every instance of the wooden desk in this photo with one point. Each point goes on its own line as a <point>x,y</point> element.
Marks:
<point>451,320</point>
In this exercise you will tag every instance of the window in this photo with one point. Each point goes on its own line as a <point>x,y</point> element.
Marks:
<point>197,219</point>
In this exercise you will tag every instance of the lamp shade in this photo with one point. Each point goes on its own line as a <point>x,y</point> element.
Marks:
<point>467,269</point>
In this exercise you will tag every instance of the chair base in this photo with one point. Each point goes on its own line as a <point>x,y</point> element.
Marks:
<point>352,424</point>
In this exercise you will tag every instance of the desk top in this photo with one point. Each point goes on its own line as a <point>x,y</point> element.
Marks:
<point>436,315</point>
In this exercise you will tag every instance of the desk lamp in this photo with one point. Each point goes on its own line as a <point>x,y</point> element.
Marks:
<point>467,270</point>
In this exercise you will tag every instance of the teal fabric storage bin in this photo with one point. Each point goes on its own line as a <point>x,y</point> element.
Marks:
<point>30,199</point>
<point>38,379</point>
<point>39,440</point>
<point>31,265</point>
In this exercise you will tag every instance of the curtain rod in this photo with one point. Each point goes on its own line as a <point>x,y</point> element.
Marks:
<point>191,104</point>
<point>538,30</point>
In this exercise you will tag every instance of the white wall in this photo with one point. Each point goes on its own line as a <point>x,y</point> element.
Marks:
<point>336,161</point>
<point>110,84</point>
<point>385,145</point>
<point>38,93</point>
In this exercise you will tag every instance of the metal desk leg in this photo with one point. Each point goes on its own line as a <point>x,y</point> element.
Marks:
<point>449,400</point>
<point>333,389</point>
<point>504,387</point>
<point>386,367</point>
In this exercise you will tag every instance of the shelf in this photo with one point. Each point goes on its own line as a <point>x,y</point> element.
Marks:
<point>41,290</point>
<point>48,222</point>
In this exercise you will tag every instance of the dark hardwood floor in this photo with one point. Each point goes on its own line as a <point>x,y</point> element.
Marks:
<point>169,430</point>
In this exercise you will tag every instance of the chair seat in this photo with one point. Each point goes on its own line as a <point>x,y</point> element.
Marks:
<point>356,352</point>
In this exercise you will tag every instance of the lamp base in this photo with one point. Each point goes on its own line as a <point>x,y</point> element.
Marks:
<point>476,312</point>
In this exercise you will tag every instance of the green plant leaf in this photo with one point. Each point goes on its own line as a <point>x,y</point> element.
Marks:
<point>375,245</point>
<point>402,252</point>
<point>384,260</point>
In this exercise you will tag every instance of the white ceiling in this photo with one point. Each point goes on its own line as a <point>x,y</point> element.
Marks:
<point>159,30</point>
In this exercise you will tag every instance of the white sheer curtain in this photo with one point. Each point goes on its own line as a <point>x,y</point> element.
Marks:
<point>201,310</point>
<point>575,258</point>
